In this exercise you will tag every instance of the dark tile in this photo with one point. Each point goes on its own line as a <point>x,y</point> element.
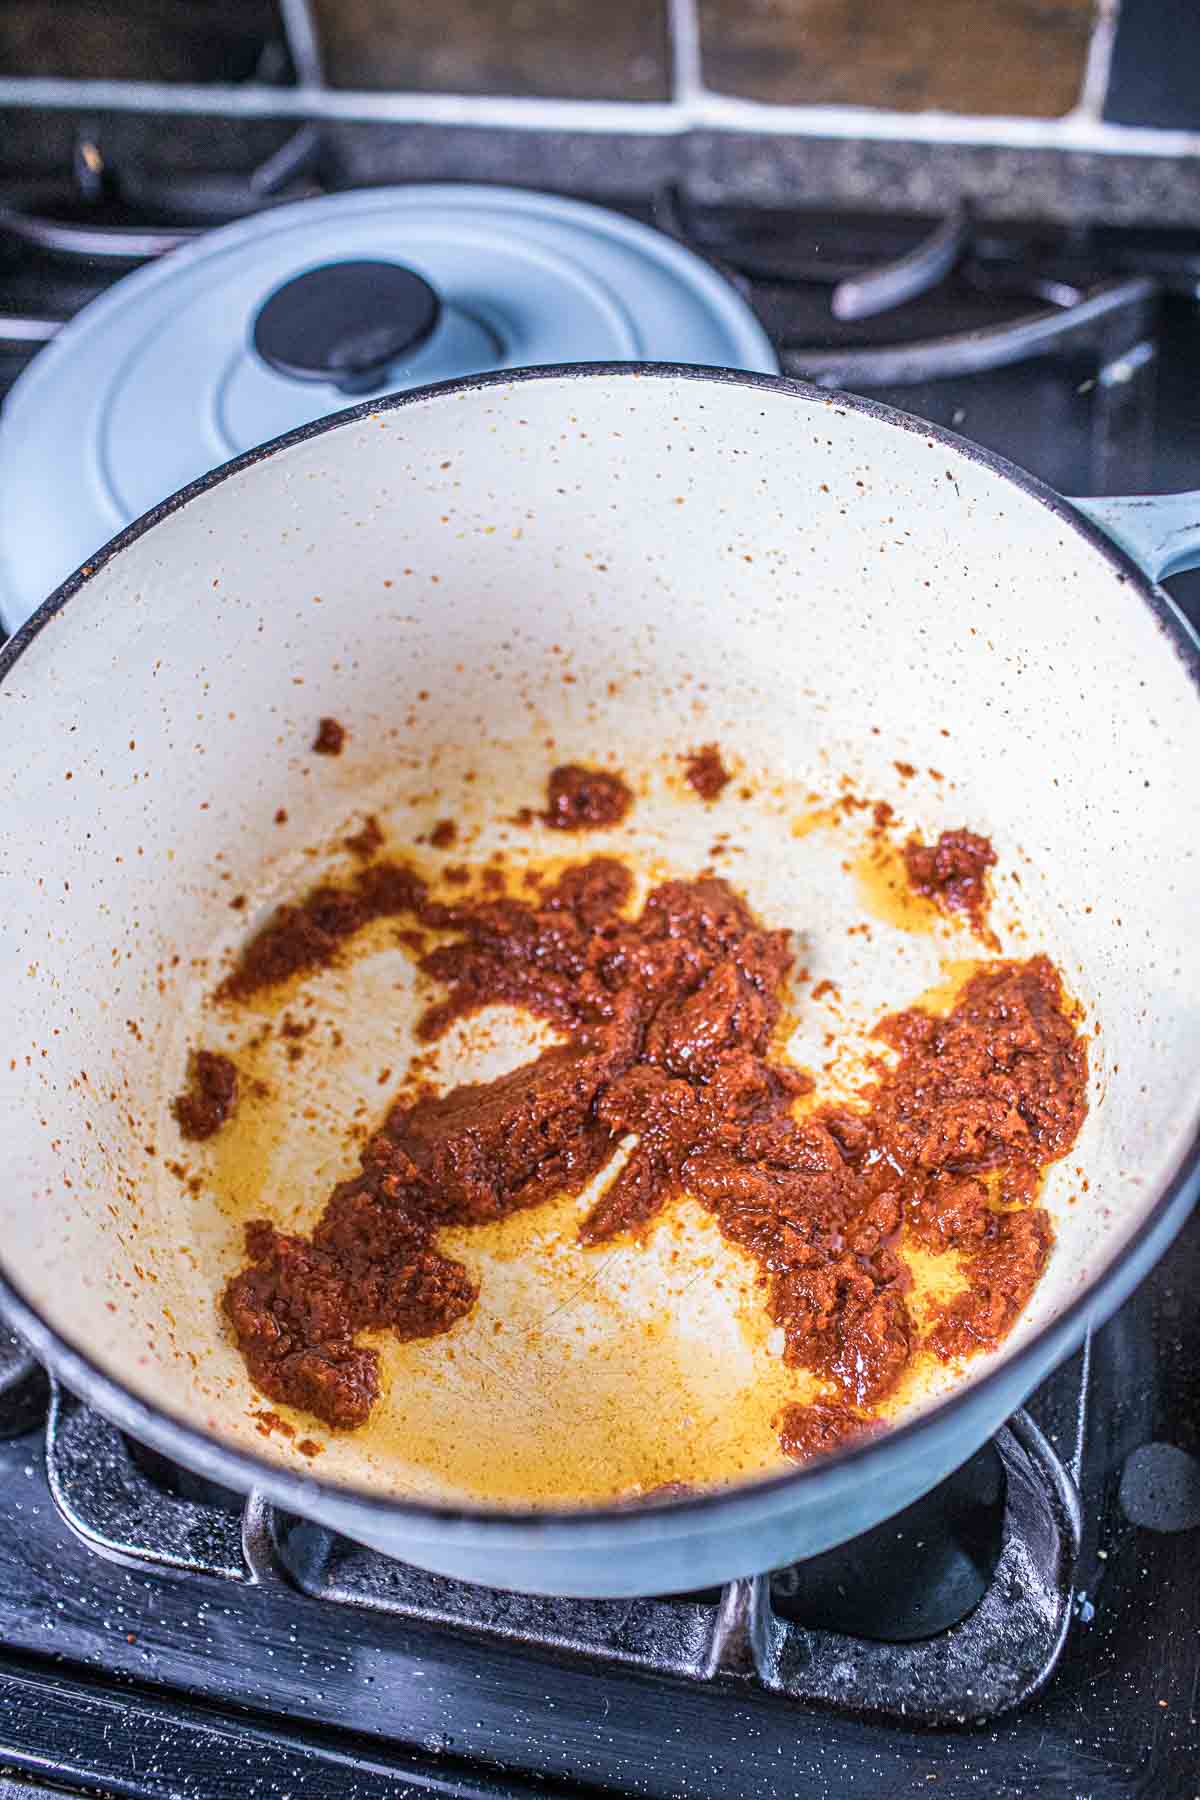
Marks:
<point>1023,57</point>
<point>568,48</point>
<point>137,40</point>
<point>1155,73</point>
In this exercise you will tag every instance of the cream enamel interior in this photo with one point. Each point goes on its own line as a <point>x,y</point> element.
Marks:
<point>819,590</point>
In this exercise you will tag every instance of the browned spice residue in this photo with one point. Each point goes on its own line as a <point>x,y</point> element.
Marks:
<point>669,1018</point>
<point>820,1428</point>
<point>209,1097</point>
<point>330,739</point>
<point>271,1421</point>
<point>704,771</point>
<point>367,840</point>
<point>580,799</point>
<point>300,938</point>
<point>952,872</point>
<point>295,1310</point>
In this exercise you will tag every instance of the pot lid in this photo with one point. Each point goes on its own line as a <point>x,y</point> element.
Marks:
<point>299,312</point>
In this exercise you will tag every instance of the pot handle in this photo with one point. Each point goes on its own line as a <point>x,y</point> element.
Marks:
<point>1160,531</point>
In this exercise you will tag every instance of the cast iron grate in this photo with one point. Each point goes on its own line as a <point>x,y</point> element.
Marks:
<point>778,1632</point>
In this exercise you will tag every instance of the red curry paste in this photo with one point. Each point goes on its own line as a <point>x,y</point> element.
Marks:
<point>580,799</point>
<point>668,1019</point>
<point>364,842</point>
<point>951,872</point>
<point>816,1429</point>
<point>209,1097</point>
<point>704,771</point>
<point>331,737</point>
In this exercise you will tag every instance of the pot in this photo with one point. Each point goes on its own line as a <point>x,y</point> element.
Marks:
<point>827,588</point>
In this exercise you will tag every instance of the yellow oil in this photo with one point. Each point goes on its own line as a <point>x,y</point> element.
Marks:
<point>883,889</point>
<point>583,1373</point>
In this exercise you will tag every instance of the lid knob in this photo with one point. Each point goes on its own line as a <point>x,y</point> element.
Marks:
<point>345,323</point>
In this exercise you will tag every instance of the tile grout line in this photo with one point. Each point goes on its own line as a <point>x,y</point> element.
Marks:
<point>303,42</point>
<point>683,38</point>
<point>698,110</point>
<point>1098,67</point>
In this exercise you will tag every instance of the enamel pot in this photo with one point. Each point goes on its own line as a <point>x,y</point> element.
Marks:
<point>826,588</point>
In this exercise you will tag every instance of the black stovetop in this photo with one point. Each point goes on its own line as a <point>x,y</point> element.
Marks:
<point>323,1670</point>
<point>158,1639</point>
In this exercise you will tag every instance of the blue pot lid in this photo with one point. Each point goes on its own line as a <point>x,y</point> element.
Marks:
<point>159,380</point>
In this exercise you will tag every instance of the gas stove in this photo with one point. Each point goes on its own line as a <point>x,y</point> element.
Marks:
<point>1028,1627</point>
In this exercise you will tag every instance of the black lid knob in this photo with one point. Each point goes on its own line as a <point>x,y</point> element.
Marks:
<point>345,322</point>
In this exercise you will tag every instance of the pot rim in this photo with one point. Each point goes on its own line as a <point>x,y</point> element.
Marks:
<point>245,1471</point>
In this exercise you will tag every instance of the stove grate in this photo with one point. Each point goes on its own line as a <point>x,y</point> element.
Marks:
<point>137,1510</point>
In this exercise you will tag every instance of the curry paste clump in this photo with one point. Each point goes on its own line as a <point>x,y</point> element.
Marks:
<point>669,1019</point>
<point>209,1097</point>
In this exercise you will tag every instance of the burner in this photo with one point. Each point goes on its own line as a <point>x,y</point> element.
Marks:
<point>882,289</point>
<point>23,1387</point>
<point>928,319</point>
<point>127,215</point>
